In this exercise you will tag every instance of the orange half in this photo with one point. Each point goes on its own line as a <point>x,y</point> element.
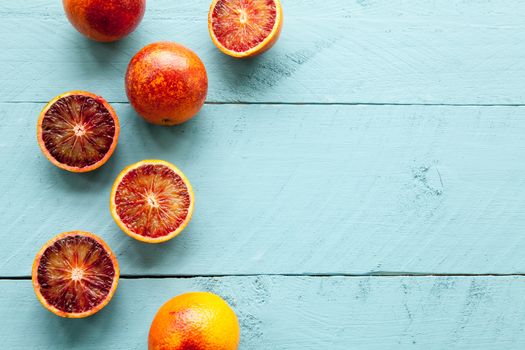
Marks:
<point>245,28</point>
<point>78,131</point>
<point>75,274</point>
<point>152,201</point>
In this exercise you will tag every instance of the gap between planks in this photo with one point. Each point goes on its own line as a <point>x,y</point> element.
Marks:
<point>382,274</point>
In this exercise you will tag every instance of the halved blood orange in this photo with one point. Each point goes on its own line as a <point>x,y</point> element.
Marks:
<point>75,274</point>
<point>152,201</point>
<point>244,28</point>
<point>78,131</point>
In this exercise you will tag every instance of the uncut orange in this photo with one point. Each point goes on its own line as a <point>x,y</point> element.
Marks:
<point>196,321</point>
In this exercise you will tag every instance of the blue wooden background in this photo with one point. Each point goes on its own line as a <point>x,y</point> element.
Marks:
<point>359,186</point>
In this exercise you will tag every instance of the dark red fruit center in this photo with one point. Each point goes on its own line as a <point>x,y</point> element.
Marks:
<point>78,130</point>
<point>152,200</point>
<point>75,274</point>
<point>240,25</point>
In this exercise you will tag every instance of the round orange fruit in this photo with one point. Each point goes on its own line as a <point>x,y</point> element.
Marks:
<point>241,28</point>
<point>152,201</point>
<point>78,131</point>
<point>75,274</point>
<point>105,20</point>
<point>166,83</point>
<point>197,321</point>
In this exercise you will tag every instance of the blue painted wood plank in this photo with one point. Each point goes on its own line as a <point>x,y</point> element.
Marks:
<point>330,51</point>
<point>366,313</point>
<point>292,189</point>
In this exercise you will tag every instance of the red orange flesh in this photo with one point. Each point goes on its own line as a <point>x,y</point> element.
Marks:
<point>105,20</point>
<point>75,274</point>
<point>152,201</point>
<point>78,131</point>
<point>245,28</point>
<point>166,83</point>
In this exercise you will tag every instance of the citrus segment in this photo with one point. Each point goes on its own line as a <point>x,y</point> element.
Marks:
<point>78,131</point>
<point>242,28</point>
<point>75,274</point>
<point>152,201</point>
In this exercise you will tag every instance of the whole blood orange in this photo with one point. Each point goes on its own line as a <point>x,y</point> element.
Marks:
<point>105,20</point>
<point>78,131</point>
<point>197,321</point>
<point>166,83</point>
<point>152,201</point>
<point>245,28</point>
<point>75,274</point>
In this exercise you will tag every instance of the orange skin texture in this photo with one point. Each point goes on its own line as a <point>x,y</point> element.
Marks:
<point>257,50</point>
<point>46,152</point>
<point>105,20</point>
<point>36,285</point>
<point>166,83</point>
<point>195,321</point>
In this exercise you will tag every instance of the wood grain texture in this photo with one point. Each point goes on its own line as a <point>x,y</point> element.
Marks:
<point>293,313</point>
<point>366,51</point>
<point>292,189</point>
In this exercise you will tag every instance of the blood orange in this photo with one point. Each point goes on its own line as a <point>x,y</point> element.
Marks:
<point>198,321</point>
<point>75,274</point>
<point>152,201</point>
<point>78,131</point>
<point>105,20</point>
<point>244,28</point>
<point>166,83</point>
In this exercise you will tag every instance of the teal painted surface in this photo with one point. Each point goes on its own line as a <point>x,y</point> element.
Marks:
<point>339,313</point>
<point>294,189</point>
<point>330,51</point>
<point>297,189</point>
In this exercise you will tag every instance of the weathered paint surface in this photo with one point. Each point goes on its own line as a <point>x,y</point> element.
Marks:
<point>337,313</point>
<point>293,189</point>
<point>397,51</point>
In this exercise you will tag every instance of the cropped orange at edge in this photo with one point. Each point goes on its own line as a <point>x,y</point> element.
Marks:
<point>196,320</point>
<point>105,20</point>
<point>245,29</point>
<point>166,83</point>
